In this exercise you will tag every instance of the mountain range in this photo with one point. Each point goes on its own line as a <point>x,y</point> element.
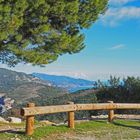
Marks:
<point>69,83</point>
<point>19,88</point>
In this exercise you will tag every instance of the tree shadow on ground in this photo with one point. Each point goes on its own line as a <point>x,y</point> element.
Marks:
<point>118,124</point>
<point>12,131</point>
<point>104,121</point>
<point>126,125</point>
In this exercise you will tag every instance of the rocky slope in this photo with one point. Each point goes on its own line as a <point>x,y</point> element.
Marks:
<point>21,87</point>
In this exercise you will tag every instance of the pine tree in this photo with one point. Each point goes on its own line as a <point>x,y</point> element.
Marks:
<point>39,31</point>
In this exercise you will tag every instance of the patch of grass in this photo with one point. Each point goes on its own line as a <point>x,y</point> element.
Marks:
<point>40,132</point>
<point>48,130</point>
<point>119,129</point>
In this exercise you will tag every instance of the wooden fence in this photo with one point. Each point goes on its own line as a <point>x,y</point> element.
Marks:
<point>30,111</point>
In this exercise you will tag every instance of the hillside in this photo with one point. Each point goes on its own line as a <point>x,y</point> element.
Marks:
<point>69,83</point>
<point>22,87</point>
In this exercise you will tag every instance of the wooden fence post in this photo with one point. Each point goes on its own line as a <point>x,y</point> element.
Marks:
<point>110,113</point>
<point>71,117</point>
<point>30,121</point>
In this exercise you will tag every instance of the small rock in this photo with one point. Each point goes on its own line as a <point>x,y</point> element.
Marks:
<point>99,117</point>
<point>59,124</point>
<point>14,120</point>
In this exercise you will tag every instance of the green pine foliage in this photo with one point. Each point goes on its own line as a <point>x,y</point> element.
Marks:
<point>126,90</point>
<point>39,31</point>
<point>120,91</point>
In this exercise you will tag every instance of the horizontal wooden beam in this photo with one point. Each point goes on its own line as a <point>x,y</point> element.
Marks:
<point>76,107</point>
<point>107,106</point>
<point>47,109</point>
<point>126,106</point>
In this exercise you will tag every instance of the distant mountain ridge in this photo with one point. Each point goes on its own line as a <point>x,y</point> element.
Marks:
<point>69,83</point>
<point>21,87</point>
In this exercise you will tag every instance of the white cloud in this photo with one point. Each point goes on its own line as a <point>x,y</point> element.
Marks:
<point>116,47</point>
<point>120,2</point>
<point>28,68</point>
<point>75,74</point>
<point>113,16</point>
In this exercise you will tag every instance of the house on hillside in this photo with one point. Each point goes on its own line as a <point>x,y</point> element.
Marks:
<point>2,97</point>
<point>8,102</point>
<point>5,103</point>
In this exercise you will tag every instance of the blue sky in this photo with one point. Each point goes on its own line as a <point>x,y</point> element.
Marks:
<point>112,47</point>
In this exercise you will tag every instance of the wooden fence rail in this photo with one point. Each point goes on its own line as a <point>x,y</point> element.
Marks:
<point>30,111</point>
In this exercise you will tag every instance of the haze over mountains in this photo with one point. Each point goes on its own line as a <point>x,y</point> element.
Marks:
<point>69,83</point>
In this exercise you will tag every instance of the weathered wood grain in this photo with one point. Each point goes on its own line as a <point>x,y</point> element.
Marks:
<point>71,117</point>
<point>76,107</point>
<point>110,113</point>
<point>30,121</point>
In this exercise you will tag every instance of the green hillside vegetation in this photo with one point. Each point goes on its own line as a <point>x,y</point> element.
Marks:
<point>43,100</point>
<point>21,87</point>
<point>26,88</point>
<point>128,91</point>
